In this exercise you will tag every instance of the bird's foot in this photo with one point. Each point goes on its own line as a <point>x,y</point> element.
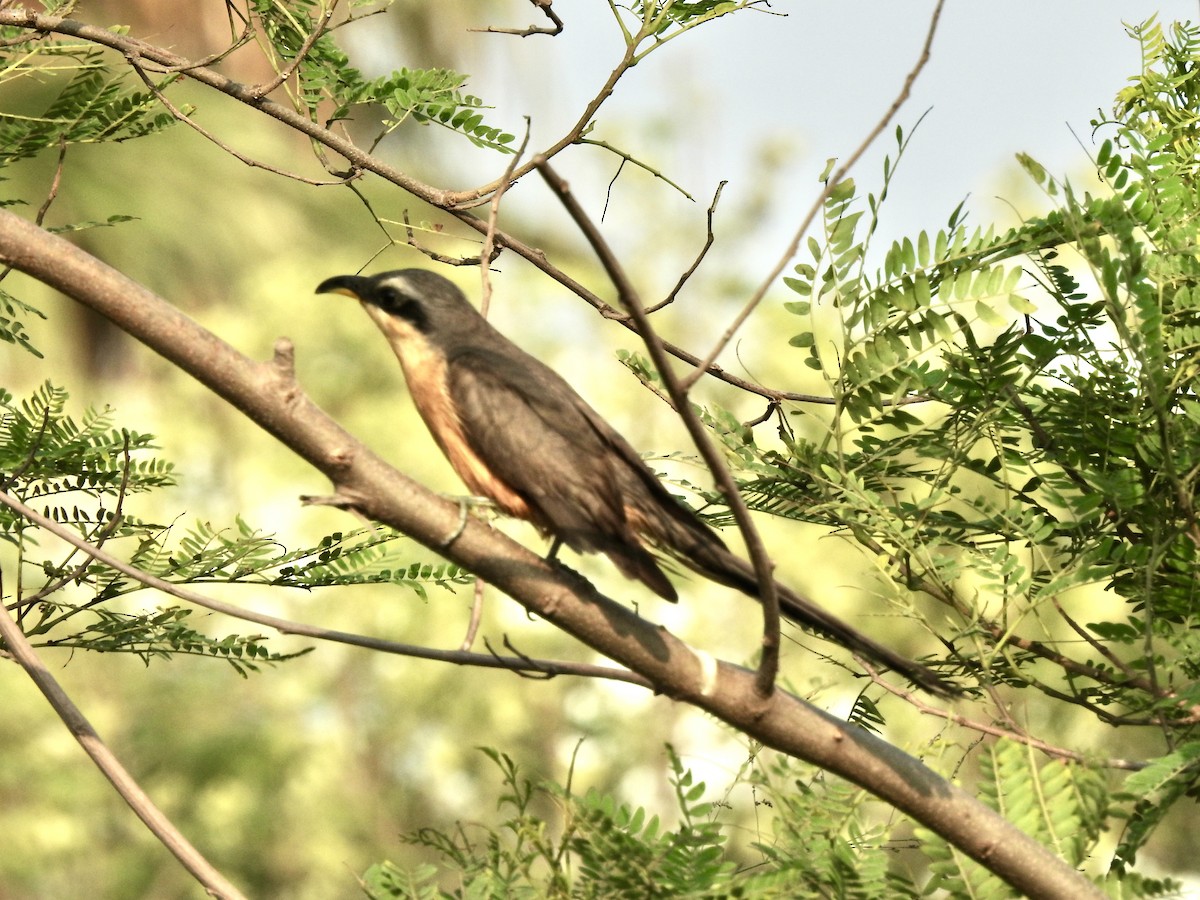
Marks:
<point>465,506</point>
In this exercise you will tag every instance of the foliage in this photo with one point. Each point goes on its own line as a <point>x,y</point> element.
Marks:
<point>1013,438</point>
<point>81,474</point>
<point>658,21</point>
<point>1004,436</point>
<point>597,847</point>
<point>12,329</point>
<point>94,106</point>
<point>427,96</point>
<point>1154,791</point>
<point>49,457</point>
<point>1062,804</point>
<point>243,555</point>
<point>816,838</point>
<point>824,840</point>
<point>84,101</point>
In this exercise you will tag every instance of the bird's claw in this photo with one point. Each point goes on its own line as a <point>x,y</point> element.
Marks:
<point>465,505</point>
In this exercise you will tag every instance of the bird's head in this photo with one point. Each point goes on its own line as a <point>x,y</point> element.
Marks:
<point>409,304</point>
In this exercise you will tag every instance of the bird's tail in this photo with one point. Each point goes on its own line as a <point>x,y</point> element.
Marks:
<point>807,614</point>
<point>701,550</point>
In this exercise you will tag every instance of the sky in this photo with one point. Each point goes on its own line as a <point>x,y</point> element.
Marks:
<point>811,81</point>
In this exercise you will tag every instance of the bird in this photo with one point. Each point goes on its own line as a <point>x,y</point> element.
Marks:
<point>519,435</point>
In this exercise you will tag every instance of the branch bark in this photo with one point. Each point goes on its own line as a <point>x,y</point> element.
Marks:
<point>764,567</point>
<point>781,721</point>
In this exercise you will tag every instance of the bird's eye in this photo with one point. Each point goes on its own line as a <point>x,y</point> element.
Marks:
<point>413,311</point>
<point>403,305</point>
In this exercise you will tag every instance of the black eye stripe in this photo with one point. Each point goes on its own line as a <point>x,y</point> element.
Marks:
<point>396,302</point>
<point>412,310</point>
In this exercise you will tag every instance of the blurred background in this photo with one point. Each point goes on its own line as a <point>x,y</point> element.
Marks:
<point>298,778</point>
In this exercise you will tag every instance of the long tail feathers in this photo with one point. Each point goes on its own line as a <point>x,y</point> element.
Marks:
<point>714,561</point>
<point>804,613</point>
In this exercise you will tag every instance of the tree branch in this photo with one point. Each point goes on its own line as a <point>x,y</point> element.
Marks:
<point>764,568</point>
<point>691,270</point>
<point>830,186</point>
<point>556,25</point>
<point>129,790</point>
<point>517,664</point>
<point>726,691</point>
<point>362,161</point>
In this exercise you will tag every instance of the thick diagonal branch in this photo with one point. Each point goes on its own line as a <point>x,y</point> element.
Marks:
<point>726,691</point>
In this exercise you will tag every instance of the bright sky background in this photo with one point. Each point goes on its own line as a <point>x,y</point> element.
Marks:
<point>1023,76</point>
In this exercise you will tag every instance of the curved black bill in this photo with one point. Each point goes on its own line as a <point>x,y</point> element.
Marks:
<point>350,285</point>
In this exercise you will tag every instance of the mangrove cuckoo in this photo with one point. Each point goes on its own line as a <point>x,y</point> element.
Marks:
<point>518,434</point>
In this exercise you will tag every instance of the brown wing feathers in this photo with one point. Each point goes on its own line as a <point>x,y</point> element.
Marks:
<point>536,434</point>
<point>518,433</point>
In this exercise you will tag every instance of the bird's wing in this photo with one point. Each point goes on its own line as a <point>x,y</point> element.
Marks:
<point>539,437</point>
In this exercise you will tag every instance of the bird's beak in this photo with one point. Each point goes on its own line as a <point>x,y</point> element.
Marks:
<point>351,285</point>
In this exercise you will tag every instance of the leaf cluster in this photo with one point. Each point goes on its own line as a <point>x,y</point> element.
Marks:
<point>244,555</point>
<point>54,94</point>
<point>815,837</point>
<point>603,848</point>
<point>427,96</point>
<point>1015,424</point>
<point>659,21</point>
<point>1034,445</point>
<point>1064,805</point>
<point>81,474</point>
<point>12,328</point>
<point>95,105</point>
<point>1152,792</point>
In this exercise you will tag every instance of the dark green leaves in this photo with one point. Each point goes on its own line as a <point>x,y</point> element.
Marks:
<point>428,96</point>
<point>93,106</point>
<point>433,96</point>
<point>12,328</point>
<point>83,473</point>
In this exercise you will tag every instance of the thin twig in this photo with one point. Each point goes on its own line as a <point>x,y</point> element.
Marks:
<point>535,672</point>
<point>488,252</point>
<point>772,408</point>
<point>410,238</point>
<point>538,258</point>
<point>1132,765</point>
<point>544,6</point>
<point>763,567</point>
<point>830,186</point>
<point>183,117</point>
<point>477,597</point>
<point>625,157</point>
<point>182,68</point>
<point>267,87</point>
<point>55,182</point>
<point>286,626</point>
<point>1096,645</point>
<point>708,242</point>
<point>608,190</point>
